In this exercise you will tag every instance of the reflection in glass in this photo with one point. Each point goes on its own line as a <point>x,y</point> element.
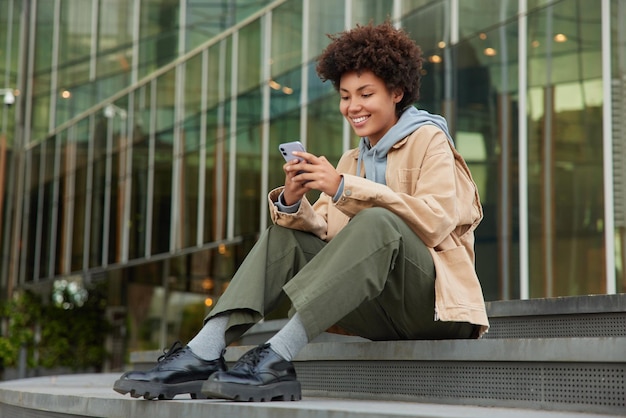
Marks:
<point>565,151</point>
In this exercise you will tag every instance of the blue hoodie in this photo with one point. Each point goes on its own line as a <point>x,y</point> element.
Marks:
<point>375,158</point>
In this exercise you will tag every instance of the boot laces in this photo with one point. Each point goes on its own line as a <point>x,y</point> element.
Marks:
<point>171,353</point>
<point>252,357</point>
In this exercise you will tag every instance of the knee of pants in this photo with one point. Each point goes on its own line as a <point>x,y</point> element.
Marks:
<point>376,216</point>
<point>383,221</point>
<point>279,232</point>
<point>283,231</point>
<point>283,236</point>
<point>277,229</point>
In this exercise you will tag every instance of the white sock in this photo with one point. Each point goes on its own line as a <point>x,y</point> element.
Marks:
<point>292,338</point>
<point>209,342</point>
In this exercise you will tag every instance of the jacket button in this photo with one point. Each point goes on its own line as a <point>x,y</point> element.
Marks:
<point>348,193</point>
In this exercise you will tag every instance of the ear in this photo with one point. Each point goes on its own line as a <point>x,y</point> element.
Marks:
<point>397,95</point>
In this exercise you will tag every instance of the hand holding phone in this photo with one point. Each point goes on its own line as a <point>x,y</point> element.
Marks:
<point>320,169</point>
<point>287,149</point>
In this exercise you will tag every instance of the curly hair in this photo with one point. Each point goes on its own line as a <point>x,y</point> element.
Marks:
<point>384,50</point>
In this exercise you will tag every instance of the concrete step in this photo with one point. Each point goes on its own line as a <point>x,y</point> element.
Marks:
<point>91,395</point>
<point>568,374</point>
<point>559,354</point>
<point>563,317</point>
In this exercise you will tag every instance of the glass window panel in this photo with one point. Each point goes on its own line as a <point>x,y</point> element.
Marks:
<point>246,8</point>
<point>58,205</point>
<point>5,217</point>
<point>213,198</point>
<point>73,99</point>
<point>247,199</point>
<point>144,314</point>
<point>428,28</point>
<point>75,30</point>
<point>325,128</point>
<point>166,89</point>
<point>478,16</point>
<point>116,183</point>
<point>191,133</point>
<point>41,117</point>
<point>408,6</point>
<point>33,165</point>
<point>249,58</point>
<point>10,29</point>
<point>249,110</point>
<point>206,20</point>
<point>191,158</point>
<point>286,38</point>
<point>10,14</point>
<point>225,72</point>
<point>44,36</point>
<point>189,188</point>
<point>324,18</point>
<point>190,136</point>
<point>107,85</point>
<point>618,54</point>
<point>45,208</point>
<point>115,36</point>
<point>160,23</point>
<point>74,44</point>
<point>486,118</point>
<point>185,311</point>
<point>248,186</point>
<point>193,86</point>
<point>80,191</point>
<point>140,172</point>
<point>66,199</point>
<point>213,74</point>
<point>366,11</point>
<point>98,188</point>
<point>43,62</point>
<point>285,92</point>
<point>537,4</point>
<point>565,151</point>
<point>146,56</point>
<point>224,151</point>
<point>317,88</point>
<point>163,163</point>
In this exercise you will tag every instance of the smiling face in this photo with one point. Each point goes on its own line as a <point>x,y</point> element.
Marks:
<point>367,104</point>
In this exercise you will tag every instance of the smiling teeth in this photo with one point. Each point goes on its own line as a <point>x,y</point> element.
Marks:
<point>359,120</point>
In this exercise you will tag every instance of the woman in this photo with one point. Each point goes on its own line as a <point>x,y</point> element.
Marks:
<point>386,252</point>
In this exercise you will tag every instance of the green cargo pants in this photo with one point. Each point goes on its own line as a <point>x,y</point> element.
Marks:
<point>374,279</point>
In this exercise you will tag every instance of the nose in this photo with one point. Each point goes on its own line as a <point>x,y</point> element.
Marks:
<point>353,106</point>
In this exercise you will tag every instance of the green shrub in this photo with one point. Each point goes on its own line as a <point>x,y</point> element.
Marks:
<point>53,335</point>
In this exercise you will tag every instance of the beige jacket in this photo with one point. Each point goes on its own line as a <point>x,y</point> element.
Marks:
<point>430,187</point>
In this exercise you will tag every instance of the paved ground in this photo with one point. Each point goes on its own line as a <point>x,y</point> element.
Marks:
<point>90,395</point>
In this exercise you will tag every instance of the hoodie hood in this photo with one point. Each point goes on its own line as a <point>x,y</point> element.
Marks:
<point>375,158</point>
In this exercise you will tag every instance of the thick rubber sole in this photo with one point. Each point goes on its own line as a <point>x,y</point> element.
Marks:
<point>279,391</point>
<point>158,391</point>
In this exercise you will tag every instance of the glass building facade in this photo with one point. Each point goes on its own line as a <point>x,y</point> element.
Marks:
<point>143,136</point>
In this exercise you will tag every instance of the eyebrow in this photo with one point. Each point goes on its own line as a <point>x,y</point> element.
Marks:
<point>359,88</point>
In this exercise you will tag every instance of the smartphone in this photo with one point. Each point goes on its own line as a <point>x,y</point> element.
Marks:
<point>287,149</point>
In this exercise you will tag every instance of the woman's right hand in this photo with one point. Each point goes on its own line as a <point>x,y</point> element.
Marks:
<point>313,173</point>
